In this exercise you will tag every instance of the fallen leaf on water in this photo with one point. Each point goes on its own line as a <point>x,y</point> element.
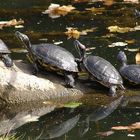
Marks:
<point>137,58</point>
<point>96,10</point>
<point>131,135</point>
<point>108,2</point>
<point>120,29</point>
<point>132,49</point>
<point>74,33</point>
<point>10,23</point>
<point>117,44</point>
<point>55,10</point>
<point>105,134</point>
<point>129,128</point>
<point>132,1</point>
<point>72,104</point>
<point>130,41</point>
<point>19,26</point>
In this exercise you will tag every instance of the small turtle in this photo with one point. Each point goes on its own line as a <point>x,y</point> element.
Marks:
<point>100,69</point>
<point>4,54</point>
<point>52,57</point>
<point>131,72</point>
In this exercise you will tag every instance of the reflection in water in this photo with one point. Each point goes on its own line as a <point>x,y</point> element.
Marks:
<point>99,114</point>
<point>60,129</point>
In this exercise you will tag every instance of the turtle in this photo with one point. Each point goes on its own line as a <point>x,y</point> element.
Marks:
<point>100,69</point>
<point>5,54</point>
<point>51,57</point>
<point>131,72</point>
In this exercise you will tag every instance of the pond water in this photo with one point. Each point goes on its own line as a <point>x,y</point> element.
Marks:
<point>94,17</point>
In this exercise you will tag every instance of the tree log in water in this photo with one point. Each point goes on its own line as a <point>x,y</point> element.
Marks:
<point>17,84</point>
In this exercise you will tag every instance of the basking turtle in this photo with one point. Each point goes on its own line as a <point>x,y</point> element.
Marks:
<point>50,56</point>
<point>4,54</point>
<point>100,69</point>
<point>129,72</point>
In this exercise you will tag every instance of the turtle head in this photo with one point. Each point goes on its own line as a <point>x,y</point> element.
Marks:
<point>81,49</point>
<point>24,38</point>
<point>121,57</point>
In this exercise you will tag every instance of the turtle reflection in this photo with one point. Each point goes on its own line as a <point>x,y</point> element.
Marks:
<point>99,114</point>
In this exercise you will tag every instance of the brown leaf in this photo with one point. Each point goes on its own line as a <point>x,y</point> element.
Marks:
<point>108,2</point>
<point>120,29</point>
<point>12,22</point>
<point>132,1</point>
<point>55,10</point>
<point>74,33</point>
<point>129,128</point>
<point>120,128</point>
<point>96,10</point>
<point>130,41</point>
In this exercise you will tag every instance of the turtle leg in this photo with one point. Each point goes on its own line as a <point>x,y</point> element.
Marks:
<point>69,80</point>
<point>112,91</point>
<point>36,70</point>
<point>7,60</point>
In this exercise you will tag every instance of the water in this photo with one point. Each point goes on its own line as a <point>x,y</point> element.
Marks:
<point>41,28</point>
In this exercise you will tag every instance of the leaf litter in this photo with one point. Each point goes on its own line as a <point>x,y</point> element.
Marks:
<point>55,10</point>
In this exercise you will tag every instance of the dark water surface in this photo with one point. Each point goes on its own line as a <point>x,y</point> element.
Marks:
<point>85,121</point>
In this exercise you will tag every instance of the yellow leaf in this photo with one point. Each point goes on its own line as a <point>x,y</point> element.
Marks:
<point>55,10</point>
<point>120,29</point>
<point>130,41</point>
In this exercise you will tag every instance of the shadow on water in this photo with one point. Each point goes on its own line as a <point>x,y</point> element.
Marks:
<point>85,121</point>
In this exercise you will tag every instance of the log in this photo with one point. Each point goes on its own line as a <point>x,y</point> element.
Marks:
<point>18,85</point>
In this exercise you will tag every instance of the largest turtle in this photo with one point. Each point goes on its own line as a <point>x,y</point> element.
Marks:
<point>100,69</point>
<point>50,56</point>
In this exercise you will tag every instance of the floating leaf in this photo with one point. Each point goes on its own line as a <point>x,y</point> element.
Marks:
<point>132,1</point>
<point>117,44</point>
<point>131,135</point>
<point>132,49</point>
<point>130,41</point>
<point>72,104</point>
<point>137,58</point>
<point>96,10</point>
<point>105,134</point>
<point>129,128</point>
<point>74,33</point>
<point>108,2</point>
<point>120,29</point>
<point>55,10</point>
<point>10,23</point>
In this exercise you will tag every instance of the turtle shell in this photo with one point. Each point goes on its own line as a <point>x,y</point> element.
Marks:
<point>3,48</point>
<point>102,70</point>
<point>53,55</point>
<point>131,73</point>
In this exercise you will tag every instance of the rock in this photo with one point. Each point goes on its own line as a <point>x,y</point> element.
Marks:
<point>18,85</point>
